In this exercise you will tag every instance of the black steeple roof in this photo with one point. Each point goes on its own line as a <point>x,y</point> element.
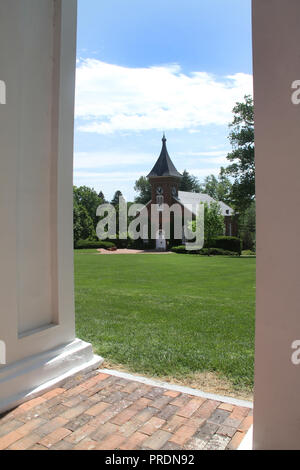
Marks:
<point>164,165</point>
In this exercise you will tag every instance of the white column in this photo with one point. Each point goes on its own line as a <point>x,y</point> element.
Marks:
<point>277,129</point>
<point>37,75</point>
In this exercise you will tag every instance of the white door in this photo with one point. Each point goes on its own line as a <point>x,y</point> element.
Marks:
<point>161,244</point>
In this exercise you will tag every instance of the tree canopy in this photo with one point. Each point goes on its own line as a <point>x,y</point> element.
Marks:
<point>87,198</point>
<point>213,222</point>
<point>115,199</point>
<point>83,226</point>
<point>85,202</point>
<point>247,227</point>
<point>242,167</point>
<point>189,183</point>
<point>143,189</point>
<point>219,187</point>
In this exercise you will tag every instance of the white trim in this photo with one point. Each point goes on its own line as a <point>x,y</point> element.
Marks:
<point>29,378</point>
<point>178,388</point>
<point>247,442</point>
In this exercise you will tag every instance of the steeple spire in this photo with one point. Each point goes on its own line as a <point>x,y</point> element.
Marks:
<point>164,165</point>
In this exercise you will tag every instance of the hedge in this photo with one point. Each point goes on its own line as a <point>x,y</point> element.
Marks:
<point>227,243</point>
<point>217,251</point>
<point>204,251</point>
<point>86,244</point>
<point>179,249</point>
<point>119,243</point>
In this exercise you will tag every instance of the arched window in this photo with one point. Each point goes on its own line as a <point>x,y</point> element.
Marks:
<point>160,203</point>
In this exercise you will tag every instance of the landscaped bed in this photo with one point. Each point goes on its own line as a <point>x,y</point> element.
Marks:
<point>186,318</point>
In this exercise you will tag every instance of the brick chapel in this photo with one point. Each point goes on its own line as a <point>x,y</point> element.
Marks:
<point>165,189</point>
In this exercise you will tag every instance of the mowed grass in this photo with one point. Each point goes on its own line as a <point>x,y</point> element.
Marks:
<point>169,315</point>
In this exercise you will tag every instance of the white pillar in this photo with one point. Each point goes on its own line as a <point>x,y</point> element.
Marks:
<point>276,39</point>
<point>37,75</point>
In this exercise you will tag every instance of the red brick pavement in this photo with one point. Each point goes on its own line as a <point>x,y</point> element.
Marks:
<point>99,411</point>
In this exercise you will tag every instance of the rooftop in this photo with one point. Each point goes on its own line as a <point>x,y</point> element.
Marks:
<point>164,165</point>
<point>194,199</point>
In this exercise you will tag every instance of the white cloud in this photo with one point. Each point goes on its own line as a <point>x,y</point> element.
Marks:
<point>108,182</point>
<point>111,98</point>
<point>210,157</point>
<point>107,176</point>
<point>203,172</point>
<point>208,153</point>
<point>221,161</point>
<point>84,160</point>
<point>88,164</point>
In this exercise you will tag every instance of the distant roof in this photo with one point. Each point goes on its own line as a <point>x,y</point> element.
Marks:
<point>193,199</point>
<point>164,165</point>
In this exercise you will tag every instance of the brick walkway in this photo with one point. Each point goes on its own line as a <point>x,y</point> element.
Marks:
<point>102,411</point>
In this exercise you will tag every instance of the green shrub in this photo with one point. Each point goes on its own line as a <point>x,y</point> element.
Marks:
<point>217,251</point>
<point>227,243</point>
<point>248,253</point>
<point>119,242</point>
<point>179,249</point>
<point>86,244</point>
<point>204,251</point>
<point>129,243</point>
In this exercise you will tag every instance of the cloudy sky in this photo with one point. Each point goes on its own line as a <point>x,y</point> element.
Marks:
<point>144,68</point>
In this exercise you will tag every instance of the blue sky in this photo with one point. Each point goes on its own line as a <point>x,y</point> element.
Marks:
<point>144,68</point>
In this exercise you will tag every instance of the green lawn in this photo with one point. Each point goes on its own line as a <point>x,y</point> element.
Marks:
<point>169,315</point>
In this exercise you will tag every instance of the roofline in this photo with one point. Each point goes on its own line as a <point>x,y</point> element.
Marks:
<point>183,205</point>
<point>164,176</point>
<point>215,200</point>
<point>164,167</point>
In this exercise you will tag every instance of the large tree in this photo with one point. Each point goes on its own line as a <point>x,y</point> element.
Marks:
<point>89,199</point>
<point>143,189</point>
<point>83,226</point>
<point>189,183</point>
<point>86,202</point>
<point>115,199</point>
<point>242,167</point>
<point>102,197</point>
<point>219,187</point>
<point>247,227</point>
<point>213,222</point>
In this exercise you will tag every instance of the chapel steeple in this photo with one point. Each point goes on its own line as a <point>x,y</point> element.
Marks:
<point>164,165</point>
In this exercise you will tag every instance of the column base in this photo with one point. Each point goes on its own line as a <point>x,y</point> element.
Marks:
<point>26,379</point>
<point>247,442</point>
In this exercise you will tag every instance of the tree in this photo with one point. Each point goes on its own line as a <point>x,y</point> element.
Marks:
<point>115,199</point>
<point>210,186</point>
<point>83,224</point>
<point>224,187</point>
<point>242,168</point>
<point>89,199</point>
<point>189,183</point>
<point>213,222</point>
<point>247,227</point>
<point>218,188</point>
<point>86,202</point>
<point>101,196</point>
<point>143,188</point>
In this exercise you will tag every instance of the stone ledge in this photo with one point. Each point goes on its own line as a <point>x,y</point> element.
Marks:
<point>41,373</point>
